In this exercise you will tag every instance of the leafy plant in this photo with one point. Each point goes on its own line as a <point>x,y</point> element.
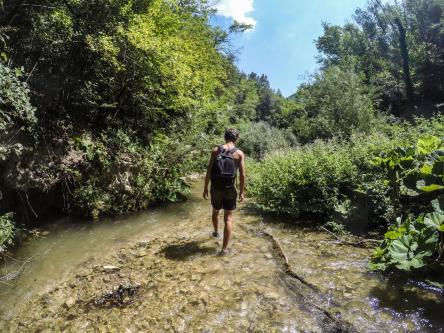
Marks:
<point>413,171</point>
<point>305,180</point>
<point>259,138</point>
<point>411,244</point>
<point>7,231</point>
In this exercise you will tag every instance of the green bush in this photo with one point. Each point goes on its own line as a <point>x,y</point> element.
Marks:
<point>15,107</point>
<point>119,174</point>
<point>337,102</point>
<point>411,244</point>
<point>306,180</point>
<point>17,118</point>
<point>414,176</point>
<point>7,231</point>
<point>259,138</point>
<point>335,177</point>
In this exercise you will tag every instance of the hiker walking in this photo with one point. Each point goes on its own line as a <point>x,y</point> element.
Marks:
<point>225,160</point>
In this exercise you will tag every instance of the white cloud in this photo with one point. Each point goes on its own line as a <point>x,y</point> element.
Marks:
<point>238,10</point>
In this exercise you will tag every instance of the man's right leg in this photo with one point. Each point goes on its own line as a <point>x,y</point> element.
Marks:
<point>228,219</point>
<point>215,218</point>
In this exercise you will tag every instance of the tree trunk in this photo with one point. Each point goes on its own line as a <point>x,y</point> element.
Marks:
<point>405,64</point>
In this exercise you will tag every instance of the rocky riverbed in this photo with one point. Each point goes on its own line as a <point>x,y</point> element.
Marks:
<point>170,279</point>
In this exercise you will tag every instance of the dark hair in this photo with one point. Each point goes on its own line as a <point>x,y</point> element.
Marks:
<point>231,135</point>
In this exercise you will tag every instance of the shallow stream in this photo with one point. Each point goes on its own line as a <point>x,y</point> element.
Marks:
<point>171,279</point>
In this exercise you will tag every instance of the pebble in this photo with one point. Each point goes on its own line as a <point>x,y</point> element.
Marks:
<point>70,302</point>
<point>110,268</point>
<point>195,277</point>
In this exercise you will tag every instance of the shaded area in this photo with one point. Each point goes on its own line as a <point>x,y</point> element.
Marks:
<point>409,300</point>
<point>186,251</point>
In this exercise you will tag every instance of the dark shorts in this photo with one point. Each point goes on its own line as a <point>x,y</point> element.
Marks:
<point>223,199</point>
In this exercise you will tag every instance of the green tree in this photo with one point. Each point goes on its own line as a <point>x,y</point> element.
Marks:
<point>337,102</point>
<point>399,48</point>
<point>120,87</point>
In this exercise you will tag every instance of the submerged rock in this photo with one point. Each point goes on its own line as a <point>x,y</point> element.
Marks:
<point>70,302</point>
<point>110,268</point>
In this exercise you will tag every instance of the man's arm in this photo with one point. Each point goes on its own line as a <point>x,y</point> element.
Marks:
<point>241,176</point>
<point>208,175</point>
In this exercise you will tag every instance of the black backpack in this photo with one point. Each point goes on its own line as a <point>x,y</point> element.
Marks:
<point>224,169</point>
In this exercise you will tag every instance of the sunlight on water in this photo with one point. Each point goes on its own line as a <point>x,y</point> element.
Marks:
<point>186,287</point>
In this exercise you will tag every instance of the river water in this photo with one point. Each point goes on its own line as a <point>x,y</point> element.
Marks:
<point>181,285</point>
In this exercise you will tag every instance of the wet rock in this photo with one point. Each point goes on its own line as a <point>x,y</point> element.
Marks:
<point>70,302</point>
<point>71,316</point>
<point>268,256</point>
<point>110,268</point>
<point>142,243</point>
<point>141,254</point>
<point>46,330</point>
<point>195,277</point>
<point>271,295</point>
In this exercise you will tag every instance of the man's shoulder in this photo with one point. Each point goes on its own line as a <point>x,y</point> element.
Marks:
<point>239,152</point>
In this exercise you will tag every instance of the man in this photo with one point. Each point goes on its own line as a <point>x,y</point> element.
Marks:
<point>224,162</point>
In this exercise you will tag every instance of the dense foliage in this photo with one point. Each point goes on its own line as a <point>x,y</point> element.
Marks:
<point>17,127</point>
<point>361,163</point>
<point>7,231</point>
<point>260,138</point>
<point>337,102</point>
<point>398,47</point>
<point>307,180</point>
<point>123,90</point>
<point>370,179</point>
<point>415,178</point>
<point>106,105</point>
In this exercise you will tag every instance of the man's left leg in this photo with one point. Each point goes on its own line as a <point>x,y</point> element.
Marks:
<point>228,219</point>
<point>215,218</point>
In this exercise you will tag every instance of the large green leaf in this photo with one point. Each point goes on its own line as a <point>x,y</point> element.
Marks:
<point>421,185</point>
<point>428,240</point>
<point>407,265</point>
<point>438,168</point>
<point>426,169</point>
<point>399,249</point>
<point>438,204</point>
<point>427,144</point>
<point>434,220</point>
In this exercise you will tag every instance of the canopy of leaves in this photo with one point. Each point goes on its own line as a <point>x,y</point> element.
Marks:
<point>122,89</point>
<point>374,41</point>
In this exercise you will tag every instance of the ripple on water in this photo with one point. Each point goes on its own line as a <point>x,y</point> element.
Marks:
<point>367,301</point>
<point>187,288</point>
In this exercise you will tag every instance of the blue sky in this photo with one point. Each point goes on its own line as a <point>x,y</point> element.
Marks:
<point>281,43</point>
